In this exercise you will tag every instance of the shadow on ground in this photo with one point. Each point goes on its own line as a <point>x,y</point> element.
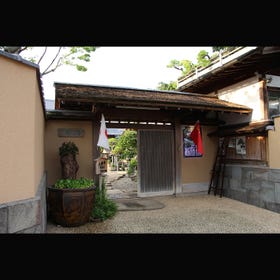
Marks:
<point>134,204</point>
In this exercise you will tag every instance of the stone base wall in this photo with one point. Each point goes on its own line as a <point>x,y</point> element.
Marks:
<point>259,186</point>
<point>25,216</point>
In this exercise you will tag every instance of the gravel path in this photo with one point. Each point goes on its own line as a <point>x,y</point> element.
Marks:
<point>186,214</point>
<point>119,185</point>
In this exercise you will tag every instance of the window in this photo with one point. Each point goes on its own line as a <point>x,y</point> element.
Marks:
<point>273,102</point>
<point>189,147</point>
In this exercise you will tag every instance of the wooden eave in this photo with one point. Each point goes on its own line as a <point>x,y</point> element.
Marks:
<point>253,128</point>
<point>86,97</point>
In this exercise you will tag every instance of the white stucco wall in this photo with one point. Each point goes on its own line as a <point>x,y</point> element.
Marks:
<point>249,93</point>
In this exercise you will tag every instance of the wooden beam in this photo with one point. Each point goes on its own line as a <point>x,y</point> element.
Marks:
<point>138,126</point>
<point>136,115</point>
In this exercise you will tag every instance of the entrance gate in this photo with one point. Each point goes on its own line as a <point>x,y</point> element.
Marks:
<point>155,162</point>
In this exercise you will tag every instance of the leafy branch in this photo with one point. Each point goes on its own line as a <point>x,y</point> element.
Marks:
<point>64,56</point>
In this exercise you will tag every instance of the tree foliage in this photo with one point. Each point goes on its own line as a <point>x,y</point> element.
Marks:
<point>73,56</point>
<point>112,143</point>
<point>223,49</point>
<point>126,145</point>
<point>186,66</point>
<point>164,86</point>
<point>203,59</point>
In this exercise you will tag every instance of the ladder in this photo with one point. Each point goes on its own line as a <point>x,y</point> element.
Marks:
<point>218,170</point>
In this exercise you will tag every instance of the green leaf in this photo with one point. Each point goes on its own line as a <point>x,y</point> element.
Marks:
<point>81,68</point>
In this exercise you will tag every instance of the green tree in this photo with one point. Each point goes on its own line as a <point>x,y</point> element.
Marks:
<point>186,66</point>
<point>112,143</point>
<point>223,49</point>
<point>164,86</point>
<point>73,56</point>
<point>126,146</point>
<point>203,59</point>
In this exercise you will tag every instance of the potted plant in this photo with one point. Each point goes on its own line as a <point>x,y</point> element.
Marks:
<point>68,161</point>
<point>70,200</point>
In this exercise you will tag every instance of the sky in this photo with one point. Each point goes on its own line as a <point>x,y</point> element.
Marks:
<point>131,67</point>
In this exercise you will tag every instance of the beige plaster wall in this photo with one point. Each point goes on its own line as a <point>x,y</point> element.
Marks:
<point>22,130</point>
<point>53,142</point>
<point>39,139</point>
<point>274,145</point>
<point>249,93</point>
<point>197,169</point>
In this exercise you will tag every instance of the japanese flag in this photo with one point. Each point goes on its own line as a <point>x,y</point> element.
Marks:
<point>103,136</point>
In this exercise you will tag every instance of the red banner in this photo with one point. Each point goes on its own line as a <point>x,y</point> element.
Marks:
<point>196,137</point>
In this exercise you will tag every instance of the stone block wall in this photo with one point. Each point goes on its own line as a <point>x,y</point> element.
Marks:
<point>25,216</point>
<point>259,186</point>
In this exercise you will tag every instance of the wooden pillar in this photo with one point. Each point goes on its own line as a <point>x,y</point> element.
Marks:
<point>178,156</point>
<point>95,149</point>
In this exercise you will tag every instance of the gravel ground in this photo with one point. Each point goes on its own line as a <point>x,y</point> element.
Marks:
<point>120,185</point>
<point>185,214</point>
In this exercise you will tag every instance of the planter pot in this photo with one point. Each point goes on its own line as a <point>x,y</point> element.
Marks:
<point>70,207</point>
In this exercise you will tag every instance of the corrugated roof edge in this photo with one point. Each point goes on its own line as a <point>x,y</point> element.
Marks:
<point>38,73</point>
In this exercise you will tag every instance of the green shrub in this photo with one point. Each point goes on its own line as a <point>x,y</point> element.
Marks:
<point>81,183</point>
<point>132,166</point>
<point>104,207</point>
<point>68,148</point>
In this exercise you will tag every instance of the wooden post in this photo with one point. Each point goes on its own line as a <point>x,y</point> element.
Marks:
<point>95,149</point>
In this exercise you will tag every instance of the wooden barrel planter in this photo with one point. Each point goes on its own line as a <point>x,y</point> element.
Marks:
<point>70,207</point>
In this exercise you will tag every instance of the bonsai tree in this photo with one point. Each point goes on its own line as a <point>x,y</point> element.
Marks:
<point>68,161</point>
